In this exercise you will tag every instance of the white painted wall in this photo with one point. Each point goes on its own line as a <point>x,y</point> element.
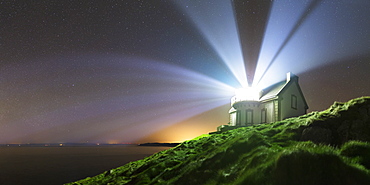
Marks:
<point>232,119</point>
<point>270,111</point>
<point>286,109</point>
<point>272,107</point>
<point>257,111</point>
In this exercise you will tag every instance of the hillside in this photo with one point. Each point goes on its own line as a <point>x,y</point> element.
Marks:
<point>328,147</point>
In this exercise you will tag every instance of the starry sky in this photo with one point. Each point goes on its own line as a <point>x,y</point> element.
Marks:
<point>129,71</point>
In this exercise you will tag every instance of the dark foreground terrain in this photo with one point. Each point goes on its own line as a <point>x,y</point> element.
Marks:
<point>328,147</point>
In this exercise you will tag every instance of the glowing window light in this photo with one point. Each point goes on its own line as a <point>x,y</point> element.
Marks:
<point>249,93</point>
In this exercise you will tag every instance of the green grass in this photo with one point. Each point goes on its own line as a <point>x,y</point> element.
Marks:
<point>266,154</point>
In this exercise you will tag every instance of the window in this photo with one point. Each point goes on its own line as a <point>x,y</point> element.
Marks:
<point>263,115</point>
<point>249,116</point>
<point>294,102</point>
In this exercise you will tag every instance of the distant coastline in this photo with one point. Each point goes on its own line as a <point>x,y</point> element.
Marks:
<point>159,144</point>
<point>64,144</point>
<point>87,144</point>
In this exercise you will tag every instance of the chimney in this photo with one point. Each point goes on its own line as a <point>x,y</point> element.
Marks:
<point>291,76</point>
<point>288,75</point>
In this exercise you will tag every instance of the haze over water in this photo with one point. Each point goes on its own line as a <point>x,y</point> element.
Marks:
<point>59,165</point>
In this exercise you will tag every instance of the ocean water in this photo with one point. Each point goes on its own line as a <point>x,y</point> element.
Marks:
<point>58,165</point>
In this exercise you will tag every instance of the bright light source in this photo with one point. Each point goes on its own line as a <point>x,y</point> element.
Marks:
<point>249,93</point>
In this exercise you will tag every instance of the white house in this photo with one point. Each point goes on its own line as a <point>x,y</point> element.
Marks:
<point>277,102</point>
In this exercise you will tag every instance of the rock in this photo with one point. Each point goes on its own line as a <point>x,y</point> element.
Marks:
<point>343,131</point>
<point>317,135</point>
<point>359,131</point>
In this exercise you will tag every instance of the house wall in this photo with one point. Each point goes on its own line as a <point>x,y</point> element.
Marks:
<point>277,109</point>
<point>276,115</point>
<point>269,111</point>
<point>248,113</point>
<point>232,118</point>
<point>255,109</point>
<point>287,102</point>
<point>288,107</point>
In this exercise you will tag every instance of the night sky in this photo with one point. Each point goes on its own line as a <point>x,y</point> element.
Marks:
<point>164,71</point>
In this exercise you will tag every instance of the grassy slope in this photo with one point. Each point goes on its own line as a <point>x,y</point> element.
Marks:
<point>264,154</point>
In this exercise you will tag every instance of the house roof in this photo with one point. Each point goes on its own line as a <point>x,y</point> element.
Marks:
<point>274,90</point>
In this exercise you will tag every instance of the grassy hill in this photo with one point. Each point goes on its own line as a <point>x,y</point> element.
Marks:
<point>328,147</point>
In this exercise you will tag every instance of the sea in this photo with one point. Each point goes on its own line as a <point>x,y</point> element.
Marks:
<point>59,165</point>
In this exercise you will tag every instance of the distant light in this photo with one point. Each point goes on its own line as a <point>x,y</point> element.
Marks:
<point>249,93</point>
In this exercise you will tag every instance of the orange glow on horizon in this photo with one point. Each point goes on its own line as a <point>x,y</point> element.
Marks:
<point>113,141</point>
<point>191,128</point>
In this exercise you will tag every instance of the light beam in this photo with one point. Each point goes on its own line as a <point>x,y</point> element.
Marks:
<point>251,17</point>
<point>312,6</point>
